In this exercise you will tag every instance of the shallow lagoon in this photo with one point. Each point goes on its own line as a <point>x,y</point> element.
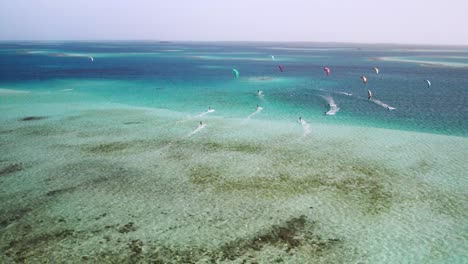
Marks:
<point>120,183</point>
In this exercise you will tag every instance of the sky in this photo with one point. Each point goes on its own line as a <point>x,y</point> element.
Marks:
<point>360,21</point>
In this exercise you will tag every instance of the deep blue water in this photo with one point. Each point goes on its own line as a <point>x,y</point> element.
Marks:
<point>189,76</point>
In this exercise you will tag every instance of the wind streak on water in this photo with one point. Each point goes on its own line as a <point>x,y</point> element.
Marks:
<point>336,92</point>
<point>331,103</point>
<point>204,113</point>
<point>259,109</point>
<point>344,93</point>
<point>378,102</point>
<point>305,127</point>
<point>200,127</point>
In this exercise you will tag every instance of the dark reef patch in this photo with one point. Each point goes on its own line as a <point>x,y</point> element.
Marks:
<point>107,147</point>
<point>364,180</point>
<point>452,204</point>
<point>232,146</point>
<point>94,183</point>
<point>370,190</point>
<point>293,233</point>
<point>32,118</point>
<point>283,235</point>
<point>88,175</point>
<point>61,191</point>
<point>11,169</point>
<point>129,227</point>
<point>132,123</point>
<point>118,147</point>
<point>203,174</point>
<point>30,246</point>
<point>136,246</point>
<point>9,217</point>
<point>177,155</point>
<point>296,233</point>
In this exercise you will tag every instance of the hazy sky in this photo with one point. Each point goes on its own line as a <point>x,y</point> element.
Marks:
<point>372,21</point>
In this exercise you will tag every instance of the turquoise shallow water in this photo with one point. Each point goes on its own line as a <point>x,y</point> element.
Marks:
<point>104,161</point>
<point>189,77</point>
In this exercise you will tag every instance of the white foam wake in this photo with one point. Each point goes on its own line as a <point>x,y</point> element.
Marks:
<point>337,92</point>
<point>10,91</point>
<point>305,127</point>
<point>207,112</point>
<point>259,109</point>
<point>378,102</point>
<point>200,127</point>
<point>344,93</point>
<point>331,103</point>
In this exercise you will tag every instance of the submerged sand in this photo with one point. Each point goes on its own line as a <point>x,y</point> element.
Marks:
<point>423,62</point>
<point>12,91</point>
<point>128,185</point>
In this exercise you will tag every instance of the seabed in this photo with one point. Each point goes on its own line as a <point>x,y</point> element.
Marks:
<point>126,184</point>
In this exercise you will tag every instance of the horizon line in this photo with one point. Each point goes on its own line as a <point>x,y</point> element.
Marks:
<point>234,41</point>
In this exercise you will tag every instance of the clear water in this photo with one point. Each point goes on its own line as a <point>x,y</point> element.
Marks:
<point>170,75</point>
<point>119,141</point>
